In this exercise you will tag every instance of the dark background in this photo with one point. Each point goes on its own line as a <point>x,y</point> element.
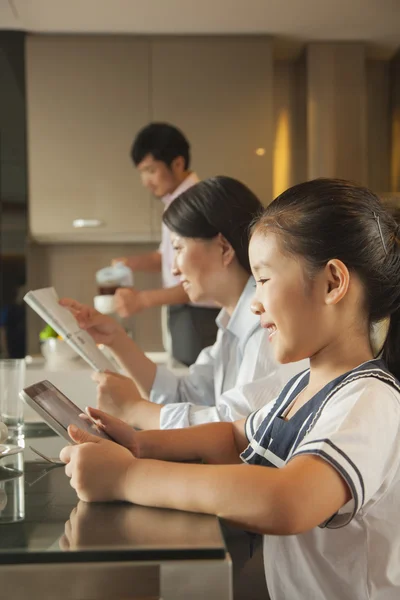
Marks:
<point>13,194</point>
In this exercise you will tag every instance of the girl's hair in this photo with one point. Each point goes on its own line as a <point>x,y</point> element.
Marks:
<point>216,205</point>
<point>331,218</point>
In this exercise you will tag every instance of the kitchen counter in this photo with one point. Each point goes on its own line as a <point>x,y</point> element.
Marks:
<point>69,550</point>
<point>73,378</point>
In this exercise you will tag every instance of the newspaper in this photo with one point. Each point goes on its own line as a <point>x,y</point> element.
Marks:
<point>45,303</point>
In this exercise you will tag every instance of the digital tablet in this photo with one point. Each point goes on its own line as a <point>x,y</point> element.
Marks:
<point>57,410</point>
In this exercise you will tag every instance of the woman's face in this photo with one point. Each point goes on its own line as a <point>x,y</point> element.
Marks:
<point>199,264</point>
<point>291,307</point>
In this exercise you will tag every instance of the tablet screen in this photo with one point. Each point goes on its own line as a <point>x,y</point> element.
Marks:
<point>60,408</point>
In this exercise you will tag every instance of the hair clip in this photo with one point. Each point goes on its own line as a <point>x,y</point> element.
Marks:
<point>380,232</point>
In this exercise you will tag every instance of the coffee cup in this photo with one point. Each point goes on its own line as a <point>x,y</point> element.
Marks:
<point>105,303</point>
<point>108,290</point>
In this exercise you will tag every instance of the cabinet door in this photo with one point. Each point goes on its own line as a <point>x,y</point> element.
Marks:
<point>87,97</point>
<point>218,90</point>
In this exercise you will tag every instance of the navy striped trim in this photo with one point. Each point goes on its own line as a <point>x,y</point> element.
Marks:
<point>328,522</point>
<point>376,372</point>
<point>246,454</point>
<point>250,424</point>
<point>345,476</point>
<point>285,398</point>
<point>246,426</point>
<point>345,456</point>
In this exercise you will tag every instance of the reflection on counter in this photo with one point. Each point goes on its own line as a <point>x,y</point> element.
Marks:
<point>12,491</point>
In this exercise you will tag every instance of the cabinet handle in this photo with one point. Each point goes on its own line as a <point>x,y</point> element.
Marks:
<point>77,223</point>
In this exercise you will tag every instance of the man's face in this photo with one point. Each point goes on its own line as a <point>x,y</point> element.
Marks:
<point>157,177</point>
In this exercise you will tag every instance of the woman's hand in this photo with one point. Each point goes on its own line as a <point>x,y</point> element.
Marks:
<point>97,468</point>
<point>117,395</point>
<point>102,328</point>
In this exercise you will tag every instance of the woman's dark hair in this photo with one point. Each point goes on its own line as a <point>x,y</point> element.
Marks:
<point>331,218</point>
<point>163,141</point>
<point>216,205</point>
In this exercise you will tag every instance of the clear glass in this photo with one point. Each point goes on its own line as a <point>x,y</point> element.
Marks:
<point>12,497</point>
<point>12,380</point>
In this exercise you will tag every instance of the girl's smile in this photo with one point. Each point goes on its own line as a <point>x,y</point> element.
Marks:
<point>270,327</point>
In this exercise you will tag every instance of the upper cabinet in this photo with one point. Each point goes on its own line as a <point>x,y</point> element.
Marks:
<point>218,90</point>
<point>86,99</point>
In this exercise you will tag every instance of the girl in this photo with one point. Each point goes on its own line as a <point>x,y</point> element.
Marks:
<point>209,225</point>
<point>322,479</point>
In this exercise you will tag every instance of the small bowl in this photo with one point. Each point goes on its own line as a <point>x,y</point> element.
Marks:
<point>56,350</point>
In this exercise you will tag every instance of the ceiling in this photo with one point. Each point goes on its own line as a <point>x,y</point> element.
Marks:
<point>290,22</point>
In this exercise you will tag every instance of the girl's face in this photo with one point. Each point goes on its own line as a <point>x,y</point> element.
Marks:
<point>291,307</point>
<point>199,264</point>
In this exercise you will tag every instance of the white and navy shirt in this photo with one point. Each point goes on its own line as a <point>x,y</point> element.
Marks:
<point>230,379</point>
<point>354,424</point>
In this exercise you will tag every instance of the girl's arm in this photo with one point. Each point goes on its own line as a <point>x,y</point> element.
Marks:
<point>286,501</point>
<point>214,443</point>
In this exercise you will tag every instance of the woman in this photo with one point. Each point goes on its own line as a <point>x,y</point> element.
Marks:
<point>209,225</point>
<point>322,473</point>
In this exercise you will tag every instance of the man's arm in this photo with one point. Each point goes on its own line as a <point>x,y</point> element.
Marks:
<point>149,262</point>
<point>170,295</point>
<point>129,301</point>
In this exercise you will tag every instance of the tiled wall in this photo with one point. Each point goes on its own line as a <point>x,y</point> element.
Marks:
<point>71,269</point>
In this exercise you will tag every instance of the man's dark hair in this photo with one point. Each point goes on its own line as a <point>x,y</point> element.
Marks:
<point>163,141</point>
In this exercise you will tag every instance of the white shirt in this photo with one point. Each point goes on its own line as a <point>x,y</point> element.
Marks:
<point>354,424</point>
<point>166,249</point>
<point>230,379</point>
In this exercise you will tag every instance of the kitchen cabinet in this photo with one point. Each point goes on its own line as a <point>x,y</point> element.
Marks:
<point>86,98</point>
<point>89,95</point>
<point>219,91</point>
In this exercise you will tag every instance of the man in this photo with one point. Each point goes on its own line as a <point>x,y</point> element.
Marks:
<point>161,154</point>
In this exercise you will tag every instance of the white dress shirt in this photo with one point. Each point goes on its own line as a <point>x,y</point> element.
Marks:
<point>229,380</point>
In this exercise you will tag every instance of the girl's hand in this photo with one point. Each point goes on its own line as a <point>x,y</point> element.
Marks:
<point>120,432</point>
<point>102,328</point>
<point>97,467</point>
<point>117,395</point>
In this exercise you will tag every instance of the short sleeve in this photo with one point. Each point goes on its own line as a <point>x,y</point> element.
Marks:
<point>357,433</point>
